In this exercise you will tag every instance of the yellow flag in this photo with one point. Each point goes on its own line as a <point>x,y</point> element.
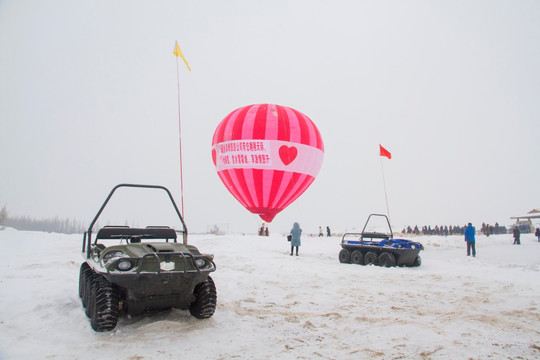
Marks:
<point>178,53</point>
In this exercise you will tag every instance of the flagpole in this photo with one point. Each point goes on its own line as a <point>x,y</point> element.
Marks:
<point>178,53</point>
<point>180,142</point>
<point>385,195</point>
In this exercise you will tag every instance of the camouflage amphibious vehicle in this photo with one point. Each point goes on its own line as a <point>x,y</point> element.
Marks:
<point>133,270</point>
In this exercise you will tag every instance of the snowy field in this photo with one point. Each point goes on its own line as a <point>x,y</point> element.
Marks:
<point>274,306</point>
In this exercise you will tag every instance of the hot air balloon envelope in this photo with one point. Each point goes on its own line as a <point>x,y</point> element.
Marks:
<point>267,156</point>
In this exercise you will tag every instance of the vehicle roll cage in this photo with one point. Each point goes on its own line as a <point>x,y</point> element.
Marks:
<point>88,233</point>
<point>373,234</point>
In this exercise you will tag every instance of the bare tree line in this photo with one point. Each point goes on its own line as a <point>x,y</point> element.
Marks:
<point>57,225</point>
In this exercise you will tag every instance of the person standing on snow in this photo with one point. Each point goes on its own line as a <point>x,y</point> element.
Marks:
<point>469,238</point>
<point>537,233</point>
<point>296,231</point>
<point>516,236</point>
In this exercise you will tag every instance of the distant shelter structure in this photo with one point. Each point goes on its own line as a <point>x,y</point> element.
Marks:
<point>524,222</point>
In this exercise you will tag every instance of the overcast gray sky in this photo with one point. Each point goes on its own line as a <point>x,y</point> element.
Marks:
<point>88,99</point>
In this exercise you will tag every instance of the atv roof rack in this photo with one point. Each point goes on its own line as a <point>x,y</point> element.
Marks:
<point>126,232</point>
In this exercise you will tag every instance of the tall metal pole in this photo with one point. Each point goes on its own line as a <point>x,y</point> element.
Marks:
<point>180,142</point>
<point>385,195</point>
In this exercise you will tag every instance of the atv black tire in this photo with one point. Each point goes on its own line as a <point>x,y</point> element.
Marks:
<point>387,259</point>
<point>88,279</point>
<point>417,261</point>
<point>344,256</point>
<point>205,302</point>
<point>357,258</point>
<point>105,304</point>
<point>82,275</point>
<point>370,258</point>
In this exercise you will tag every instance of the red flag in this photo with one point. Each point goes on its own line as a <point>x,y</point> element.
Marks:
<point>384,152</point>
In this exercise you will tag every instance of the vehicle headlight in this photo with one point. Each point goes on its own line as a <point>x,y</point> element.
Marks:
<point>112,255</point>
<point>200,262</point>
<point>124,265</point>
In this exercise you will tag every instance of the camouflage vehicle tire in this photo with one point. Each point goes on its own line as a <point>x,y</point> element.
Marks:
<point>205,302</point>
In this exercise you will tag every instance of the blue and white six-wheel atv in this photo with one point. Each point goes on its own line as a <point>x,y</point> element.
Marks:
<point>379,248</point>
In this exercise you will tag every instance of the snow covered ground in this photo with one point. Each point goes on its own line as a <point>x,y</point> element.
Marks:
<point>274,306</point>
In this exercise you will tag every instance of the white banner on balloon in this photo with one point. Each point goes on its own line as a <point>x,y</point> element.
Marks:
<point>268,154</point>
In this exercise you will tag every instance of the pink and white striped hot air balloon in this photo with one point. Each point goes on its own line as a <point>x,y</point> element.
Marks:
<point>267,156</point>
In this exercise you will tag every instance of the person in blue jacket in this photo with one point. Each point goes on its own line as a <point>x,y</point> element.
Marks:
<point>469,238</point>
<point>296,231</point>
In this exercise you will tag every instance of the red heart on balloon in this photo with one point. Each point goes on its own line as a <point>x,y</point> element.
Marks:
<point>287,154</point>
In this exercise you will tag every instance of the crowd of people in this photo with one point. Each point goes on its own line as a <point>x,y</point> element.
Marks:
<point>437,230</point>
<point>446,230</point>
<point>263,230</point>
